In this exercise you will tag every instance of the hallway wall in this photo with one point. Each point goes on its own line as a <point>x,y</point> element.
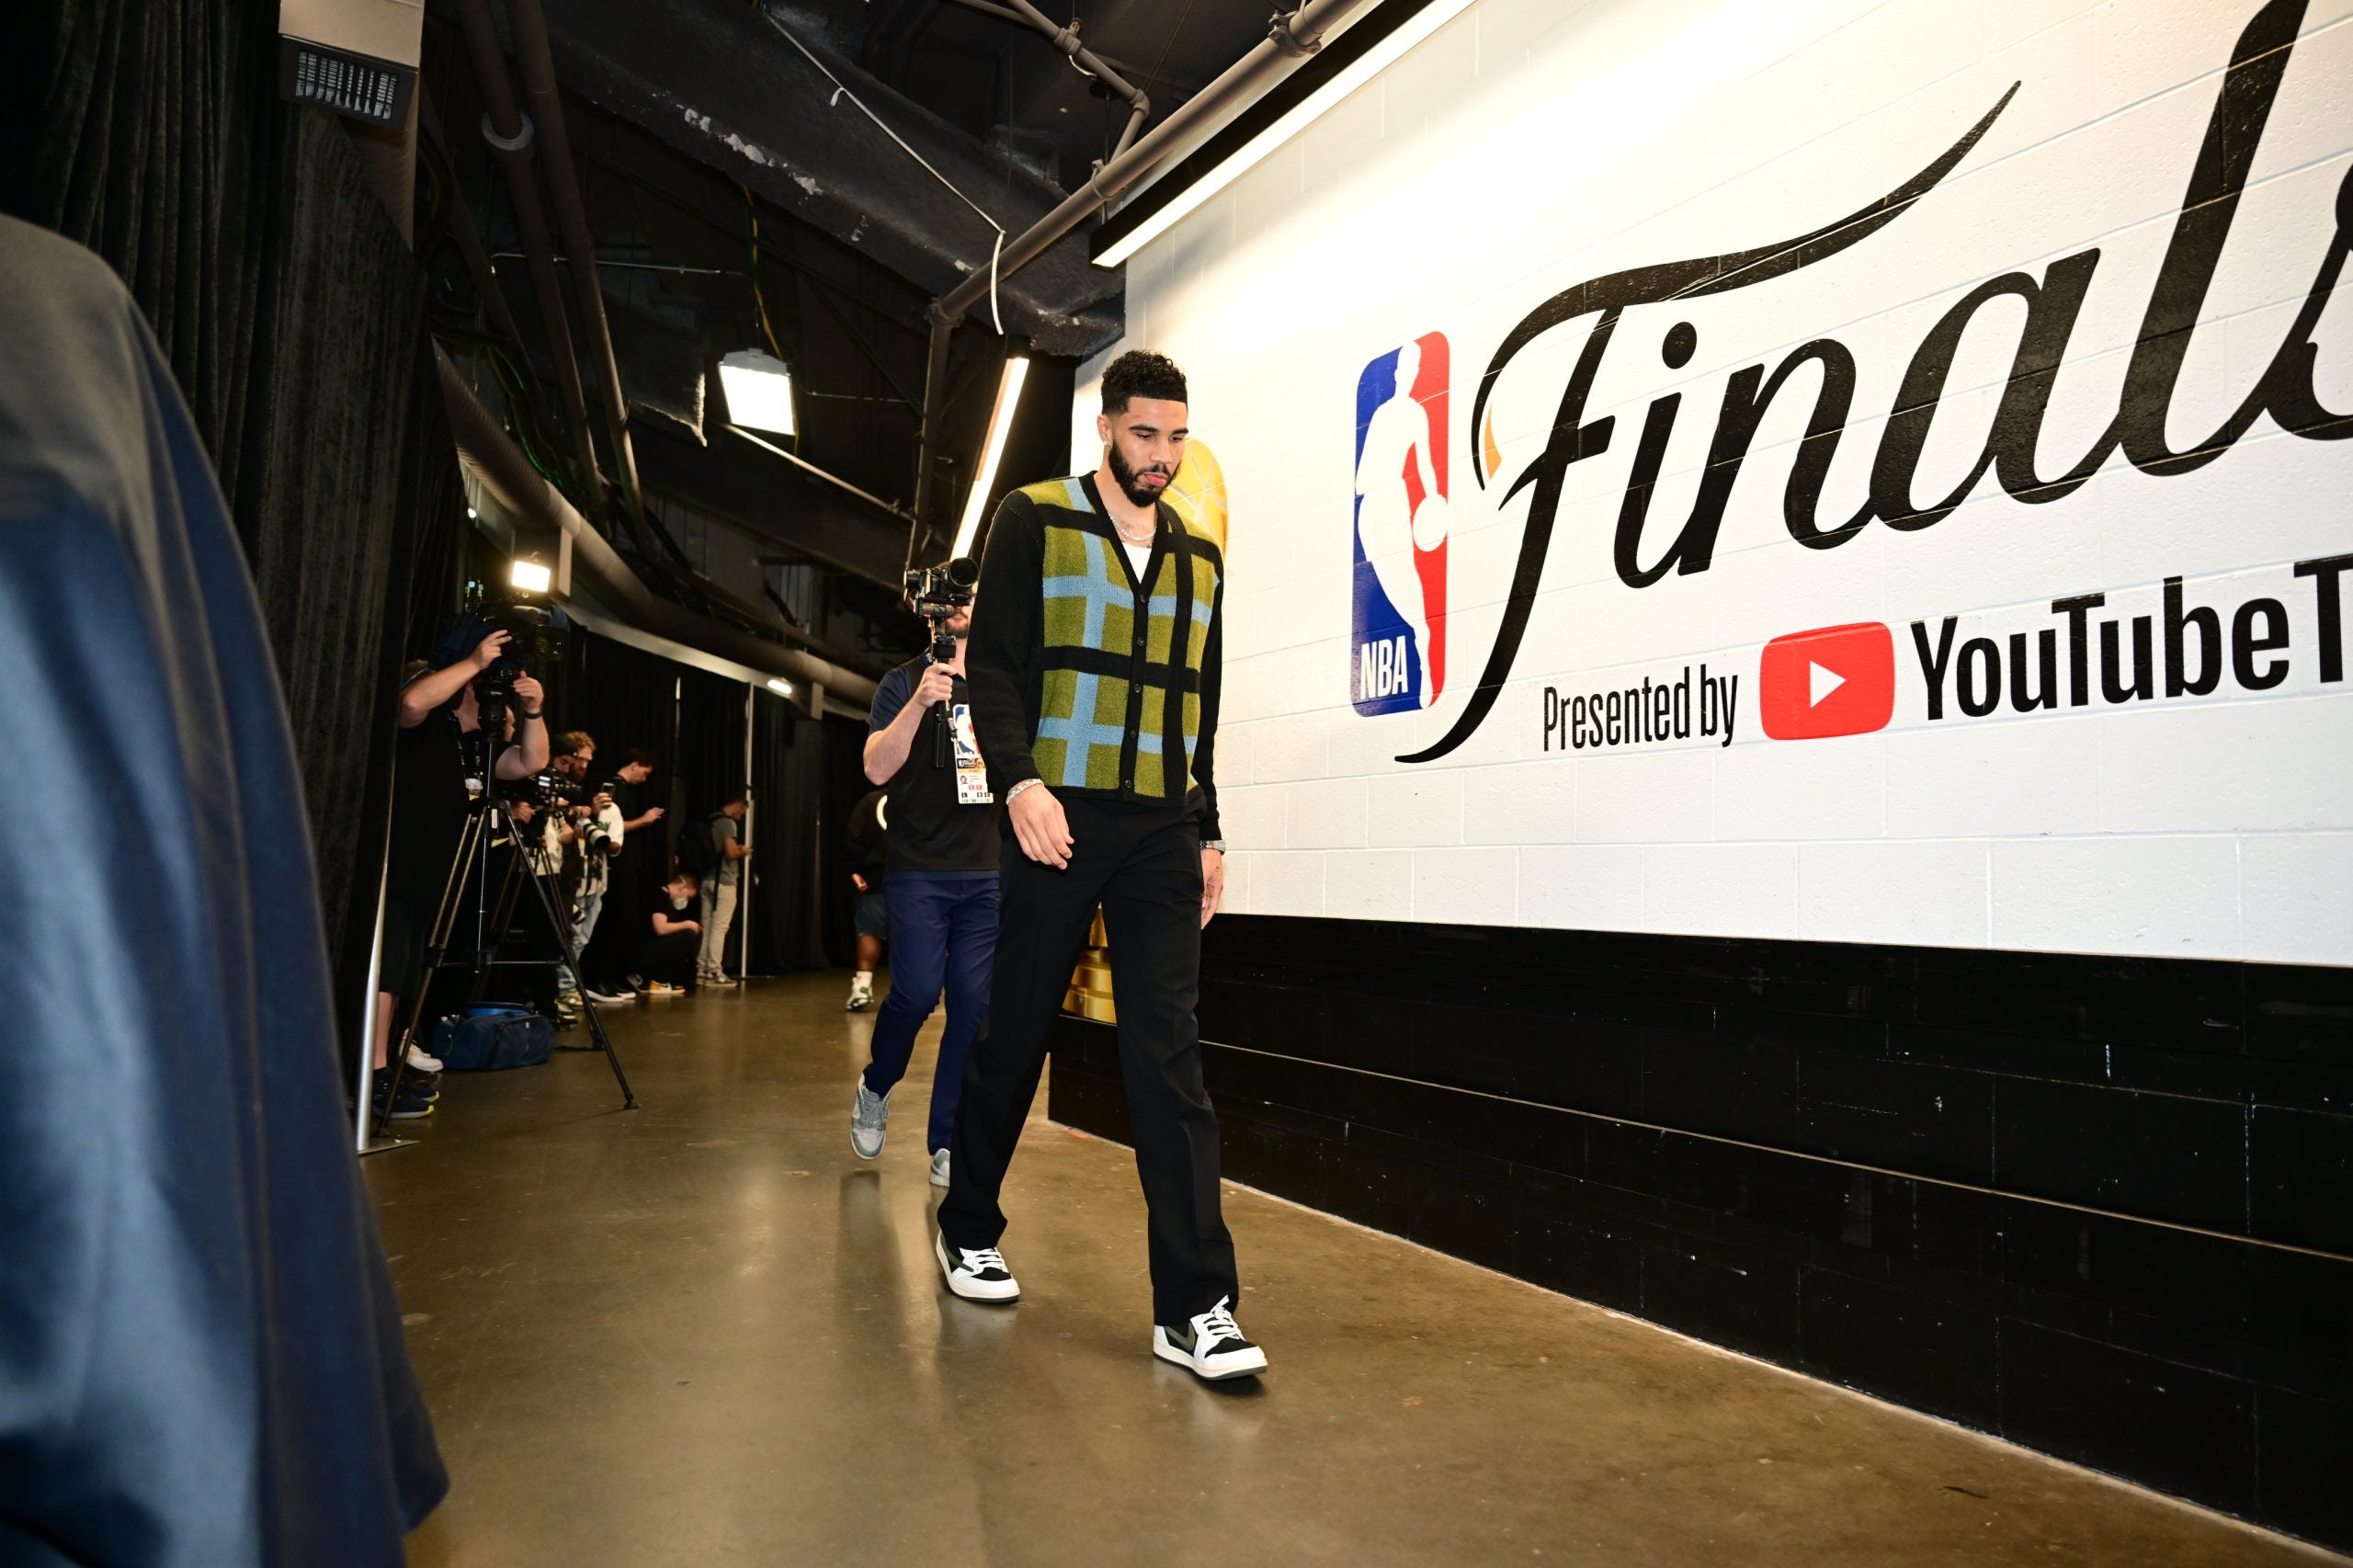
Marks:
<point>1786,718</point>
<point>2091,1204</point>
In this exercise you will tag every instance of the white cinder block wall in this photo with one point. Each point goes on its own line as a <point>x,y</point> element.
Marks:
<point>1531,144</point>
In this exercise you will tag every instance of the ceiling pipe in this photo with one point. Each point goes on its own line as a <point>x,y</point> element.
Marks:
<point>509,476</point>
<point>510,135</point>
<point>458,222</point>
<point>934,407</point>
<point>1299,32</point>
<point>1066,40</point>
<point>530,29</point>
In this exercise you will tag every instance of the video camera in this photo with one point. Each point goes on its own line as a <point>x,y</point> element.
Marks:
<point>938,592</point>
<point>549,791</point>
<point>534,636</point>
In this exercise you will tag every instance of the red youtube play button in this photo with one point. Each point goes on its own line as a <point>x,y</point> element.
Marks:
<point>1836,680</point>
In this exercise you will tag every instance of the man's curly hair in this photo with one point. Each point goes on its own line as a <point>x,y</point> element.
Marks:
<point>1142,373</point>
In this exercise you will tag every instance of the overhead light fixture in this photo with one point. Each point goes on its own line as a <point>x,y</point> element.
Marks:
<point>1386,46</point>
<point>759,388</point>
<point>1008,397</point>
<point>531,576</point>
<point>779,687</point>
<point>473,516</point>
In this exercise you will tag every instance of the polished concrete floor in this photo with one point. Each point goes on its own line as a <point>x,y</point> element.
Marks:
<point>702,1332</point>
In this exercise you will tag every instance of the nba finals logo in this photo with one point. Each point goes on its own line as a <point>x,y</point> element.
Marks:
<point>1399,645</point>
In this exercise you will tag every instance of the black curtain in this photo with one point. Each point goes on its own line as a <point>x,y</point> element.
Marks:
<point>710,764</point>
<point>809,773</point>
<point>293,320</point>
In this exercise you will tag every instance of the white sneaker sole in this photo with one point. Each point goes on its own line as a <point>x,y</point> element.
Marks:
<point>994,1295</point>
<point>1174,1357</point>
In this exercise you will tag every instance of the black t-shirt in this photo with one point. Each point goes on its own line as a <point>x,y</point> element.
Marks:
<point>433,761</point>
<point>932,835</point>
<point>658,903</point>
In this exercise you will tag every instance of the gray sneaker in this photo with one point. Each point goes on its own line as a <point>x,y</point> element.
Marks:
<point>869,1118</point>
<point>940,1167</point>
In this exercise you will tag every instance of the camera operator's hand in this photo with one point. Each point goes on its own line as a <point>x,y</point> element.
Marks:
<point>938,684</point>
<point>489,649</point>
<point>1041,826</point>
<point>861,882</point>
<point>529,693</point>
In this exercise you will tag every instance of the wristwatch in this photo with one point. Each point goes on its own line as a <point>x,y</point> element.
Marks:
<point>1216,843</point>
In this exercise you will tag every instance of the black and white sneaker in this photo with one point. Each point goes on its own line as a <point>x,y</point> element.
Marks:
<point>1210,1346</point>
<point>977,1273</point>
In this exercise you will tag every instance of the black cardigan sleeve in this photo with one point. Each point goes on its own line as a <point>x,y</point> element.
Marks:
<point>1001,662</point>
<point>1205,743</point>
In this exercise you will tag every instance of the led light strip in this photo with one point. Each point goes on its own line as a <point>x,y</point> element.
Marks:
<point>1433,16</point>
<point>1008,395</point>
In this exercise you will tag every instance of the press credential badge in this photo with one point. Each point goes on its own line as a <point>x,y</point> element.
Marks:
<point>972,774</point>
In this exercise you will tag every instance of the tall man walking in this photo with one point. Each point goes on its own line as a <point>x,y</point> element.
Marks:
<point>1094,661</point>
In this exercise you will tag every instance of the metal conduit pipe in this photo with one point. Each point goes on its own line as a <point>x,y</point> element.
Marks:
<point>510,135</point>
<point>1066,40</point>
<point>935,403</point>
<point>503,469</point>
<point>530,30</point>
<point>458,222</point>
<point>1290,35</point>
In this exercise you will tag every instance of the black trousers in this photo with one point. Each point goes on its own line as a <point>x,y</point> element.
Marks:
<point>1143,866</point>
<point>671,959</point>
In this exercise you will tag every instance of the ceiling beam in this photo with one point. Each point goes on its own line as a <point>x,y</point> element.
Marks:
<point>772,500</point>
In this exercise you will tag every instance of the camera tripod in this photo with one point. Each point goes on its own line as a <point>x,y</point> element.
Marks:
<point>486,813</point>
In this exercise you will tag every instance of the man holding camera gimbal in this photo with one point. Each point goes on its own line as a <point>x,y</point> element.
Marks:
<point>942,865</point>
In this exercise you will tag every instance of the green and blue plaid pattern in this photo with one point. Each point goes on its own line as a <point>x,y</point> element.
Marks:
<point>1089,622</point>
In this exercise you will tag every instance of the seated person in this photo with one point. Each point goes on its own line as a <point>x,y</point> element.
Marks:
<point>674,937</point>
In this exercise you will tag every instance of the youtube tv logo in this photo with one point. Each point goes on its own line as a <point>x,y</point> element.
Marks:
<point>1835,680</point>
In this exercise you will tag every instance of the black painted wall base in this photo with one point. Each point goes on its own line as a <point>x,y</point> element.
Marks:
<point>2097,1205</point>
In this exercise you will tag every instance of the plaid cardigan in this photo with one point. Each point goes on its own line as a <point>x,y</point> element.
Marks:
<point>1072,682</point>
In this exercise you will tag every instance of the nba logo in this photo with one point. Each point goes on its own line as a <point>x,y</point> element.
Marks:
<point>1398,644</point>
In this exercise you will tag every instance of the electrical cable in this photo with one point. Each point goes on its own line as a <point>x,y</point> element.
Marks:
<point>759,298</point>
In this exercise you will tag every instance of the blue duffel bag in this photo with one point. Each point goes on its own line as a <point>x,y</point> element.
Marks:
<point>489,1038</point>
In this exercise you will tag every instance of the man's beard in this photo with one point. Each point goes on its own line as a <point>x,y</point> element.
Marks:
<point>1141,494</point>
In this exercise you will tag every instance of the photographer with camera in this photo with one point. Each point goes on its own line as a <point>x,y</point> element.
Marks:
<point>941,863</point>
<point>597,832</point>
<point>443,761</point>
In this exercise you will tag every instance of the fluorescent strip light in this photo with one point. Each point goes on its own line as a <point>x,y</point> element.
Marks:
<point>1008,395</point>
<point>1422,23</point>
<point>531,576</point>
<point>760,392</point>
<point>779,687</point>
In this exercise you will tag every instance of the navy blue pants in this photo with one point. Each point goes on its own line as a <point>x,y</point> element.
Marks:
<point>943,934</point>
